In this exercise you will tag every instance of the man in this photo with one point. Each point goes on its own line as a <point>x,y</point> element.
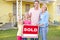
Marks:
<point>34,14</point>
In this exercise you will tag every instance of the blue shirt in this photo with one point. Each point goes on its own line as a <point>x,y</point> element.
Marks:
<point>44,19</point>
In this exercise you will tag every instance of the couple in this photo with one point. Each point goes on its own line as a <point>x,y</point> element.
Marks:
<point>39,17</point>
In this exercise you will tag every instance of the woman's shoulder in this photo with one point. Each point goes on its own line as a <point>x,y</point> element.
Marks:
<point>46,13</point>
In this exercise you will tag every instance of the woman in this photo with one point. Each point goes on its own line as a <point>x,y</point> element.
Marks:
<point>34,14</point>
<point>43,22</point>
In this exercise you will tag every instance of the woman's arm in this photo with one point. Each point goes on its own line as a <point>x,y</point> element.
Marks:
<point>45,19</point>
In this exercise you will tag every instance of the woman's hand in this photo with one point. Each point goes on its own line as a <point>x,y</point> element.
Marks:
<point>37,24</point>
<point>40,24</point>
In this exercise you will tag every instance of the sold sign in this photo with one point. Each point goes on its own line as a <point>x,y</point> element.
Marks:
<point>30,31</point>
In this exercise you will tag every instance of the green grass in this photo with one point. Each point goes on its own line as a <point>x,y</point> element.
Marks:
<point>8,34</point>
<point>53,34</point>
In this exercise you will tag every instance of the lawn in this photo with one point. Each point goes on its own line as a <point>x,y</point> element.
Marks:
<point>8,34</point>
<point>53,34</point>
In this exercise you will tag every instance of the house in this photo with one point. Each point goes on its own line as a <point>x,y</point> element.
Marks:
<point>8,10</point>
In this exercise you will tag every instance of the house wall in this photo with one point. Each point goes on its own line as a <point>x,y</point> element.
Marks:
<point>5,8</point>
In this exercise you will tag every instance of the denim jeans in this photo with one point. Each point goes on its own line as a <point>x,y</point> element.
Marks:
<point>33,38</point>
<point>30,38</point>
<point>43,32</point>
<point>24,38</point>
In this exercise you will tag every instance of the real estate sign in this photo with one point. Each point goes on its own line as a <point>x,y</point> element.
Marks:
<point>30,31</point>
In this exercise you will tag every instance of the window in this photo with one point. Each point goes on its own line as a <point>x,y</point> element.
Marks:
<point>27,6</point>
<point>58,9</point>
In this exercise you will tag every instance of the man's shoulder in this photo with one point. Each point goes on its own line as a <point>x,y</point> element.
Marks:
<point>32,8</point>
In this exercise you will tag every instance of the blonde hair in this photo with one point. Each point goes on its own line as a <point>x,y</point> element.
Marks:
<point>44,4</point>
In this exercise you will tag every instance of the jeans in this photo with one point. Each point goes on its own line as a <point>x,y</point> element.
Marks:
<point>30,38</point>
<point>33,38</point>
<point>24,38</point>
<point>43,32</point>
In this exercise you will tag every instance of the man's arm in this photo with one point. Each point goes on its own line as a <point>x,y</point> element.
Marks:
<point>30,13</point>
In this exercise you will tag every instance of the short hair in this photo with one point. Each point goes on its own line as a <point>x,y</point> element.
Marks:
<point>36,1</point>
